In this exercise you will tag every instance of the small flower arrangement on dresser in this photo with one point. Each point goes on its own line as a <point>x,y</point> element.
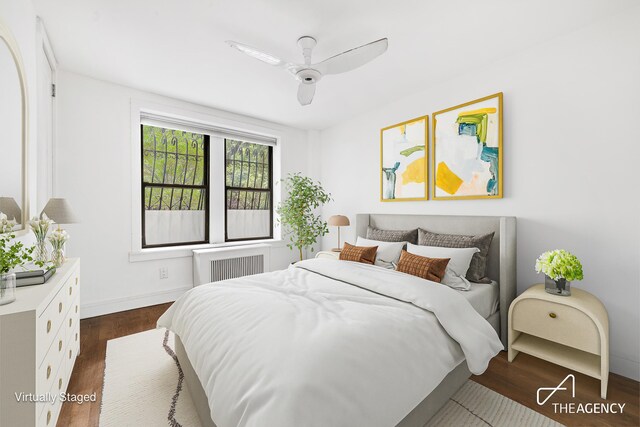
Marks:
<point>40,228</point>
<point>560,268</point>
<point>58,238</point>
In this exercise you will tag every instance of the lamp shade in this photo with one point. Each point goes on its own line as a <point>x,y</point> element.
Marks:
<point>59,210</point>
<point>338,221</point>
<point>10,208</point>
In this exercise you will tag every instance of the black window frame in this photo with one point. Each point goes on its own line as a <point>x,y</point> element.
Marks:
<point>228,188</point>
<point>204,187</point>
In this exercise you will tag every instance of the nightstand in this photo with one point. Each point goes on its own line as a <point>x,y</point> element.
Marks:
<point>328,254</point>
<point>570,331</point>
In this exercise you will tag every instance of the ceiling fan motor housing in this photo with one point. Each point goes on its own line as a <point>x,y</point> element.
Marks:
<point>308,76</point>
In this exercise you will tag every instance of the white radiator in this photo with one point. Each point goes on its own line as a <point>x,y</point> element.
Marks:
<point>213,265</point>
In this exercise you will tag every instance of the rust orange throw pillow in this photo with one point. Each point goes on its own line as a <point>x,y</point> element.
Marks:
<point>364,254</point>
<point>421,266</point>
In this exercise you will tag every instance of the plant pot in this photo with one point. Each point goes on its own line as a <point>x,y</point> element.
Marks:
<point>7,288</point>
<point>560,287</point>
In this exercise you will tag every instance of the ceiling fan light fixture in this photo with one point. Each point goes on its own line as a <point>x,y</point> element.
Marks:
<point>308,74</point>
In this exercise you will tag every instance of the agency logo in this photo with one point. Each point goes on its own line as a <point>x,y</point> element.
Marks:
<point>568,384</point>
<point>560,387</point>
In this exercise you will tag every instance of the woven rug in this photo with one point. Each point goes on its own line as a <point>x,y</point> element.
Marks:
<point>143,387</point>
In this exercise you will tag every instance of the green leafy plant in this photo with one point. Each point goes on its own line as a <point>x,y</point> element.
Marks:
<point>13,254</point>
<point>560,264</point>
<point>297,211</point>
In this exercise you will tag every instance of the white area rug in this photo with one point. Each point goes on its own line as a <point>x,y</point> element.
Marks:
<point>141,380</point>
<point>143,387</point>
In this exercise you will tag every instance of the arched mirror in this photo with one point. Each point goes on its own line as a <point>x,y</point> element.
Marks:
<point>14,203</point>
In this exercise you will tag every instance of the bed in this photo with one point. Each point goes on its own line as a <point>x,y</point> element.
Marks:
<point>455,350</point>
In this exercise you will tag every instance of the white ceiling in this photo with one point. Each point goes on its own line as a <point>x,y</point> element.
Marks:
<point>176,47</point>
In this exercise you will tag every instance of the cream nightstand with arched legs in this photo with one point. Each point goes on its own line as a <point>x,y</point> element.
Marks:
<point>570,331</point>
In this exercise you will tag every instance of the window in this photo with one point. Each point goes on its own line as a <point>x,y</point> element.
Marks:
<point>175,187</point>
<point>202,184</point>
<point>248,191</point>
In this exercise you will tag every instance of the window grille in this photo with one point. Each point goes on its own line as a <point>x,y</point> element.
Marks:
<point>175,174</point>
<point>249,176</point>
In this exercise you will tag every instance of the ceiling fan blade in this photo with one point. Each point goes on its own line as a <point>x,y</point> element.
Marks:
<point>305,93</point>
<point>263,56</point>
<point>352,59</point>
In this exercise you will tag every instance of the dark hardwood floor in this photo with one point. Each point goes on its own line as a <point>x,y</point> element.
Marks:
<point>88,371</point>
<point>518,381</point>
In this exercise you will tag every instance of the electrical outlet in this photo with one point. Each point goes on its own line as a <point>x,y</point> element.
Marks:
<point>164,272</point>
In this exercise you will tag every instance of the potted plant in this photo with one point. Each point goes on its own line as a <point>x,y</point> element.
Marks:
<point>560,269</point>
<point>12,255</point>
<point>297,212</point>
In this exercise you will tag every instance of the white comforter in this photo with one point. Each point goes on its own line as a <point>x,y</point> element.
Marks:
<point>326,343</point>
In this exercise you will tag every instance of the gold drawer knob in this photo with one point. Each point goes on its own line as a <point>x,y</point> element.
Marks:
<point>70,290</point>
<point>48,371</point>
<point>553,315</point>
<point>60,307</point>
<point>48,326</point>
<point>60,345</point>
<point>70,321</point>
<point>48,417</point>
<point>60,384</point>
<point>76,336</point>
<point>76,280</point>
<point>76,308</point>
<point>69,354</point>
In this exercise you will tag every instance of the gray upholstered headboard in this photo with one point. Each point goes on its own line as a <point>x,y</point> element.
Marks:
<point>501,263</point>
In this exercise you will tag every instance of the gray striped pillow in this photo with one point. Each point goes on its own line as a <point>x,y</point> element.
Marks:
<point>478,266</point>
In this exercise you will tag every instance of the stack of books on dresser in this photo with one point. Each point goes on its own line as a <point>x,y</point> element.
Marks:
<point>34,277</point>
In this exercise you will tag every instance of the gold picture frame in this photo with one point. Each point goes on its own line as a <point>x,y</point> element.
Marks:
<point>400,147</point>
<point>464,178</point>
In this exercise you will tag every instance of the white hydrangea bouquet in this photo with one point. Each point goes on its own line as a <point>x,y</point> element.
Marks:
<point>560,268</point>
<point>40,227</point>
<point>58,238</point>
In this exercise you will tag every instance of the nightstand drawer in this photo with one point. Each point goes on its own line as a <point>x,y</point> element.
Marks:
<point>556,322</point>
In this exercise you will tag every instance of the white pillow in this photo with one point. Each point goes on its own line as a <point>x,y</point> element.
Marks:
<point>388,252</point>
<point>454,275</point>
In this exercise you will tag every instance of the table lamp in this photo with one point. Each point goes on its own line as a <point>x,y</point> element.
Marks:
<point>60,212</point>
<point>10,208</point>
<point>338,221</point>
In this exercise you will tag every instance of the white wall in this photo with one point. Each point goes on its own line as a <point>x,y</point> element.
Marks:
<point>571,153</point>
<point>93,171</point>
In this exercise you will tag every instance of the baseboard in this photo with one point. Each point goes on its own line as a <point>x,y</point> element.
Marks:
<point>115,305</point>
<point>625,367</point>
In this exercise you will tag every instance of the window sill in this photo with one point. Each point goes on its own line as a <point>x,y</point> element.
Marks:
<point>187,250</point>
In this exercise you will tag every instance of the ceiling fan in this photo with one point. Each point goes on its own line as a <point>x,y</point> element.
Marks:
<point>309,74</point>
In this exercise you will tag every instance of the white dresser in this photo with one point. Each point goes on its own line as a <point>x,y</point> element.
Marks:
<point>39,342</point>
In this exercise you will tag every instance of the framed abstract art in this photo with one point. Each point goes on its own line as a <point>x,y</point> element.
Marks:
<point>467,150</point>
<point>403,161</point>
